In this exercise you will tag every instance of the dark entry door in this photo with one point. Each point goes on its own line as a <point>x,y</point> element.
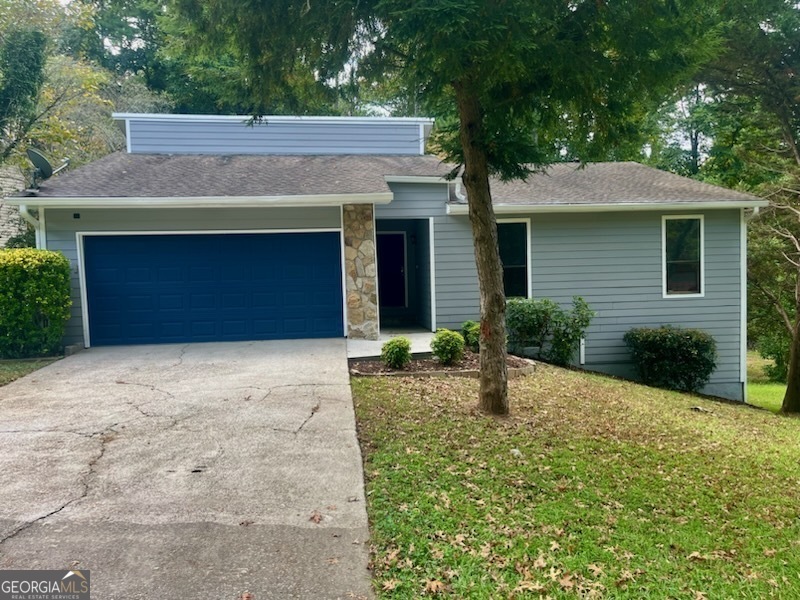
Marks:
<point>392,269</point>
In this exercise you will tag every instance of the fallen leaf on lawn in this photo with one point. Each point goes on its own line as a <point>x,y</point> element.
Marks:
<point>554,545</point>
<point>769,552</point>
<point>390,584</point>
<point>596,570</point>
<point>566,582</point>
<point>434,586</point>
<point>624,577</point>
<point>529,586</point>
<point>696,556</point>
<point>316,517</point>
<point>699,595</point>
<point>540,562</point>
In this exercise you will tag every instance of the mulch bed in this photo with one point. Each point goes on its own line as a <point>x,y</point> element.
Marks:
<point>470,362</point>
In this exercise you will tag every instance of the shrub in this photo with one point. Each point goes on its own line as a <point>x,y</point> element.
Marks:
<point>671,357</point>
<point>396,353</point>
<point>776,346</point>
<point>471,332</point>
<point>553,333</point>
<point>34,302</point>
<point>26,239</point>
<point>448,346</point>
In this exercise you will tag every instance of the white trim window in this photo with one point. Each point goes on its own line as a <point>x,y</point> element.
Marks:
<point>514,241</point>
<point>683,256</point>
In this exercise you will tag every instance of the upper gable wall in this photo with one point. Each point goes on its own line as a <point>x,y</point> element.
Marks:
<point>197,134</point>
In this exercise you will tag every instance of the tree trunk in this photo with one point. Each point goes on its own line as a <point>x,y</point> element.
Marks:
<point>791,401</point>
<point>494,375</point>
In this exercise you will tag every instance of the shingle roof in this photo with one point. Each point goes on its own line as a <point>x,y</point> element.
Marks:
<point>122,175</point>
<point>608,183</point>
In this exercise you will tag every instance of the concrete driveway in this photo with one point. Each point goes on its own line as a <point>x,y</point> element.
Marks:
<point>200,471</point>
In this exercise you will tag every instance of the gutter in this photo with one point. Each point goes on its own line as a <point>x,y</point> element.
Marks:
<point>34,222</point>
<point>206,201</point>
<point>500,209</point>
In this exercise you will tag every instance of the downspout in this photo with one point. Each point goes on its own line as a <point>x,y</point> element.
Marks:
<point>459,191</point>
<point>753,214</point>
<point>37,226</point>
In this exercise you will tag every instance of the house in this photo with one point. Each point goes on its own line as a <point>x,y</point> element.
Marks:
<point>214,228</point>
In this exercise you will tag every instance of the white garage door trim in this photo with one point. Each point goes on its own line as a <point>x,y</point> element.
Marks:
<point>82,272</point>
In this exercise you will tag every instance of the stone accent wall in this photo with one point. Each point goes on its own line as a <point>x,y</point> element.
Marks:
<point>361,271</point>
<point>11,181</point>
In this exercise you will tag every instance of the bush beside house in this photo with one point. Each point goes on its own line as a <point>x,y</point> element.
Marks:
<point>545,330</point>
<point>672,357</point>
<point>34,302</point>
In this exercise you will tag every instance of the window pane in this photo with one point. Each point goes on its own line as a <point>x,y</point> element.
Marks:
<point>683,277</point>
<point>515,281</point>
<point>683,239</point>
<point>513,243</point>
<point>683,256</point>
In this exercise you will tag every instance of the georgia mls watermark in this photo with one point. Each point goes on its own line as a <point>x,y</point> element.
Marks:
<point>44,585</point>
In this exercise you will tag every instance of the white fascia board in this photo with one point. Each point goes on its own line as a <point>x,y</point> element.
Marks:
<point>414,179</point>
<point>500,209</point>
<point>267,118</point>
<point>207,201</point>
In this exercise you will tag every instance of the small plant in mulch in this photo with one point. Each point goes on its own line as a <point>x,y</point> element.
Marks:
<point>396,353</point>
<point>448,346</point>
<point>471,331</point>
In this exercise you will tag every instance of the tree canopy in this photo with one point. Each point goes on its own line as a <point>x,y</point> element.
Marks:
<point>514,84</point>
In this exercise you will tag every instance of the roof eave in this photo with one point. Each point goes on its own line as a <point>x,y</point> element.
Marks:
<point>203,201</point>
<point>415,179</point>
<point>462,209</point>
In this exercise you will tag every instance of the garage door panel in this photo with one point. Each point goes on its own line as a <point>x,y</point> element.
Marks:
<point>184,288</point>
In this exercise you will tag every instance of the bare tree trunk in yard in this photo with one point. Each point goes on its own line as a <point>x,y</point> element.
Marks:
<point>791,401</point>
<point>494,375</point>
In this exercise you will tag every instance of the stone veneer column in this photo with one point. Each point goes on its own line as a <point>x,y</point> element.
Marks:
<point>360,271</point>
<point>11,181</point>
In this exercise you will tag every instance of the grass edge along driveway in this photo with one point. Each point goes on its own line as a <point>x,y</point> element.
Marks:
<point>593,488</point>
<point>14,369</point>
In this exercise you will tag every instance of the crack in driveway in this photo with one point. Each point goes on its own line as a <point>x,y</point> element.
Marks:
<point>104,436</point>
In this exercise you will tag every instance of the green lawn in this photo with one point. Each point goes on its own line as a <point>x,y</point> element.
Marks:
<point>14,369</point>
<point>760,390</point>
<point>593,488</point>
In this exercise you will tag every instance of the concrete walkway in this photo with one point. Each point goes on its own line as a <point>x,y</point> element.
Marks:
<point>420,343</point>
<point>202,471</point>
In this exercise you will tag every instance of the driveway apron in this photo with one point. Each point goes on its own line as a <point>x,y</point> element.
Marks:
<point>204,471</point>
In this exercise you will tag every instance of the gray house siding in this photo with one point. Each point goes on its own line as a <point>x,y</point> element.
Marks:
<point>613,260</point>
<point>425,201</point>
<point>234,136</point>
<point>62,226</point>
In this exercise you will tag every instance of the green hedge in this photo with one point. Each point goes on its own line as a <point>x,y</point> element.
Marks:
<point>553,333</point>
<point>34,302</point>
<point>672,357</point>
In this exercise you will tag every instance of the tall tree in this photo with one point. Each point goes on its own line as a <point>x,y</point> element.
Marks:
<point>22,60</point>
<point>758,148</point>
<point>510,80</point>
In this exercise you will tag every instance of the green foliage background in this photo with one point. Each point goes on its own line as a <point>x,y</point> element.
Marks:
<point>34,302</point>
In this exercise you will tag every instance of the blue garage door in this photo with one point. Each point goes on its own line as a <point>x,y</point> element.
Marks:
<point>158,289</point>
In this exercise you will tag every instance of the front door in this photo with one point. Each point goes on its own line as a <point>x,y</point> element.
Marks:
<point>392,269</point>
